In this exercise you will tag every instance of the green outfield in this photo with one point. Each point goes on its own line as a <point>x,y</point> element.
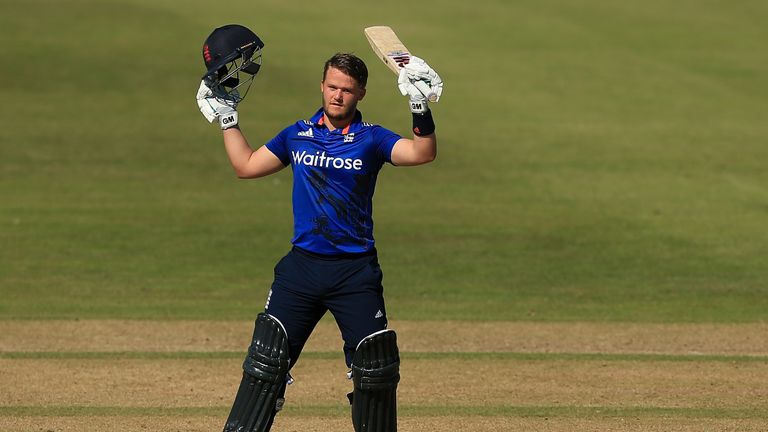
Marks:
<point>600,164</point>
<point>597,161</point>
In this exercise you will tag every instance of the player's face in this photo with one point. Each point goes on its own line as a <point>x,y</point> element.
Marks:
<point>341,93</point>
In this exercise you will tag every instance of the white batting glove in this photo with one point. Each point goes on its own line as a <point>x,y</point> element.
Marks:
<point>418,77</point>
<point>216,107</point>
<point>416,99</point>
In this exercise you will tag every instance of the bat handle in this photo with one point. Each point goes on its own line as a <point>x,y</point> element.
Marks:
<point>426,90</point>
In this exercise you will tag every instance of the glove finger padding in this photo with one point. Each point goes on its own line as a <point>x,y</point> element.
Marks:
<point>408,87</point>
<point>417,65</point>
<point>209,112</point>
<point>403,82</point>
<point>438,91</point>
<point>417,100</point>
<point>437,85</point>
<point>423,87</point>
<point>417,70</point>
<point>203,91</point>
<point>212,108</point>
<point>413,93</point>
<point>215,105</point>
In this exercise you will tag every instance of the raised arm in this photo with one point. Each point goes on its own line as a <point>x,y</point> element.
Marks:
<point>416,151</point>
<point>416,80</point>
<point>246,162</point>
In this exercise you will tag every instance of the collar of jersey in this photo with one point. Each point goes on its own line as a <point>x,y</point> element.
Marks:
<point>319,121</point>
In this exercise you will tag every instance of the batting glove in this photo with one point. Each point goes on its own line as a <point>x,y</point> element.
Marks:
<point>419,82</point>
<point>215,107</point>
<point>416,99</point>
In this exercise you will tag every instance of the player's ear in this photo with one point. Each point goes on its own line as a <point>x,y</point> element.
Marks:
<point>362,94</point>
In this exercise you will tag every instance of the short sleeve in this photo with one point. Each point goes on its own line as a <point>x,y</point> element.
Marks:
<point>385,141</point>
<point>279,147</point>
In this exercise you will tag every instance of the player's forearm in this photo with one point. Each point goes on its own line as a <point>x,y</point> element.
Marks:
<point>424,139</point>
<point>248,163</point>
<point>425,148</point>
<point>238,150</point>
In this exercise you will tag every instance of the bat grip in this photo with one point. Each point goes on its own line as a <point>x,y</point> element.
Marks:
<point>426,90</point>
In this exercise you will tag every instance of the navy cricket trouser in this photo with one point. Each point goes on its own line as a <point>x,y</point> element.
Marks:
<point>307,285</point>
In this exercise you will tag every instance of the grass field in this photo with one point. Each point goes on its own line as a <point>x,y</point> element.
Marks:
<point>601,165</point>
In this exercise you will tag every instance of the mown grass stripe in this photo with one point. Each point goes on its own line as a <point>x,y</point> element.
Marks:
<point>333,355</point>
<point>121,355</point>
<point>403,410</point>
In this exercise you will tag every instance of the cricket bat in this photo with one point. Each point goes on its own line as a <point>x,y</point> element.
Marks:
<point>393,53</point>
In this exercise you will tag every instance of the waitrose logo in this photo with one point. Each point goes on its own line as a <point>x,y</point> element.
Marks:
<point>322,161</point>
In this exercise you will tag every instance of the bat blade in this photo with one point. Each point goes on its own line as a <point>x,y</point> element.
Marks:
<point>390,50</point>
<point>388,47</point>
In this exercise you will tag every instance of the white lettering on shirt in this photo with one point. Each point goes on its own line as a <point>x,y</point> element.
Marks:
<point>321,160</point>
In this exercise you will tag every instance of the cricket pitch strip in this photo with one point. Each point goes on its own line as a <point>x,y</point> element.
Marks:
<point>508,376</point>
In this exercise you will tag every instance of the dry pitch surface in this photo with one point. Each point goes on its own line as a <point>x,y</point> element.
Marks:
<point>181,375</point>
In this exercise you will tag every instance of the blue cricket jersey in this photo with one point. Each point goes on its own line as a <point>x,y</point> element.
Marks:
<point>334,177</point>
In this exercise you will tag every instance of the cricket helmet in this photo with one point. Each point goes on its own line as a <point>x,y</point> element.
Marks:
<point>232,56</point>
